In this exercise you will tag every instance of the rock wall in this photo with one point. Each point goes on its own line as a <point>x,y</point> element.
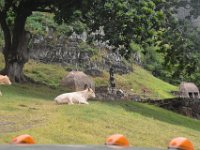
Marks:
<point>67,52</point>
<point>187,107</point>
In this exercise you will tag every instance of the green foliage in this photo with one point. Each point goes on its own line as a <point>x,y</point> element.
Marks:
<point>151,57</point>
<point>122,21</point>
<point>180,46</point>
<point>63,29</point>
<point>84,47</point>
<point>37,23</point>
<point>153,60</point>
<point>40,23</point>
<point>178,41</point>
<point>78,27</point>
<point>135,47</point>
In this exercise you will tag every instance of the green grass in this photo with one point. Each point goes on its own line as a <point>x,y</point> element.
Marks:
<point>30,109</point>
<point>135,82</point>
<point>47,74</point>
<point>141,79</point>
<point>138,80</point>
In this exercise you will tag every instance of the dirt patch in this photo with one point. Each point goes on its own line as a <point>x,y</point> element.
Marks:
<point>13,123</point>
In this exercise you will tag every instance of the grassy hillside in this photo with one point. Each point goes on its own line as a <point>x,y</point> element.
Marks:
<point>30,109</point>
<point>134,82</point>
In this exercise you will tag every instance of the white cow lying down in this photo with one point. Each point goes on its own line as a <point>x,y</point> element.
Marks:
<point>79,97</point>
<point>4,80</point>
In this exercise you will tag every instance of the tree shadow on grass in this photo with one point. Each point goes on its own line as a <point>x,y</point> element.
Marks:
<point>157,113</point>
<point>30,91</point>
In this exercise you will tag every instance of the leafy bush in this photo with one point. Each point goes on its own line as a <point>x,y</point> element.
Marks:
<point>83,46</point>
<point>40,23</point>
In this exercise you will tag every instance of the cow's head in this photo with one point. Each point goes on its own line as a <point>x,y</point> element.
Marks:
<point>91,93</point>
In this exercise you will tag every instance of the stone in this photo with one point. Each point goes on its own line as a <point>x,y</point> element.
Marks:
<point>77,81</point>
<point>94,72</point>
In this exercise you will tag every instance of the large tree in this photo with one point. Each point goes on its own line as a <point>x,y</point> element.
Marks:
<point>123,21</point>
<point>181,41</point>
<point>13,15</point>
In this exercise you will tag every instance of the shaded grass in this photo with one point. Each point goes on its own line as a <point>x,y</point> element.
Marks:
<point>24,90</point>
<point>47,74</point>
<point>157,113</point>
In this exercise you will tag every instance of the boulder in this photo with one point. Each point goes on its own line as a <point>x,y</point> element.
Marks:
<point>77,81</point>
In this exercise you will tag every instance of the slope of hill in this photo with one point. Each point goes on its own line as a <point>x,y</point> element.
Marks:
<point>29,108</point>
<point>135,82</point>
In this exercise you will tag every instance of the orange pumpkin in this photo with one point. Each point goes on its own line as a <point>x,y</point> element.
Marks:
<point>117,140</point>
<point>23,139</point>
<point>181,143</point>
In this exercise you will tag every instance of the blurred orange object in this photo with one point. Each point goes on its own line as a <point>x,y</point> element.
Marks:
<point>23,139</point>
<point>117,140</point>
<point>180,143</point>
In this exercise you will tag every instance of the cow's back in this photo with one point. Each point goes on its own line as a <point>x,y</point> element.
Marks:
<point>4,80</point>
<point>74,96</point>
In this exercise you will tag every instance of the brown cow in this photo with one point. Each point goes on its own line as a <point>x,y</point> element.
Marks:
<point>4,80</point>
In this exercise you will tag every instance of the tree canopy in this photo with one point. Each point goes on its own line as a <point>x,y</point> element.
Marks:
<point>182,40</point>
<point>131,26</point>
<point>123,21</point>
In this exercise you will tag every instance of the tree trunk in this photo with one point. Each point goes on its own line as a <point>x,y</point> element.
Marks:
<point>16,44</point>
<point>15,60</point>
<point>16,51</point>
